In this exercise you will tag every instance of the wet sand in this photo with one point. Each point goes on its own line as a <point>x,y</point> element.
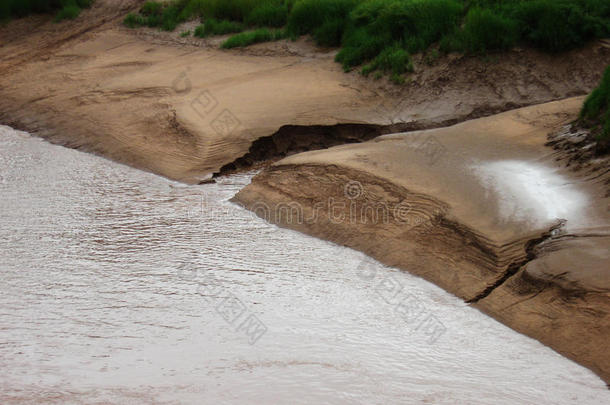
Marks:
<point>482,209</point>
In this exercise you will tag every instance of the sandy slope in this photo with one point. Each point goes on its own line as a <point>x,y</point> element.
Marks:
<point>183,108</point>
<point>467,207</point>
<point>180,112</point>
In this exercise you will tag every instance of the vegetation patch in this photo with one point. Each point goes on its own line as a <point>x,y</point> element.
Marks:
<point>595,114</point>
<point>268,14</point>
<point>376,25</point>
<point>373,32</point>
<point>216,27</point>
<point>168,15</point>
<point>252,37</point>
<point>394,60</point>
<point>326,20</point>
<point>483,30</point>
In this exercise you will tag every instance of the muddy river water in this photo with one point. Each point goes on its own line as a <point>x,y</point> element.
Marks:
<point>119,286</point>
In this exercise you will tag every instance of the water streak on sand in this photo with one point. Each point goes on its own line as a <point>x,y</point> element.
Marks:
<point>531,192</point>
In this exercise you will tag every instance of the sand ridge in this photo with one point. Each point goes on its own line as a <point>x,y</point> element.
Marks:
<point>528,245</point>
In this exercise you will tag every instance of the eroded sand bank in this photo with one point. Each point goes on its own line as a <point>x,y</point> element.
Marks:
<point>183,108</point>
<point>480,208</point>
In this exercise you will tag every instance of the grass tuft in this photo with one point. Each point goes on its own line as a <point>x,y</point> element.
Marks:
<point>252,37</point>
<point>151,8</point>
<point>595,113</point>
<point>215,27</point>
<point>395,60</point>
<point>485,30</point>
<point>307,16</point>
<point>68,12</point>
<point>134,20</point>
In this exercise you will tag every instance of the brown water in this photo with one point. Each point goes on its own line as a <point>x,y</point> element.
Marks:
<point>119,286</point>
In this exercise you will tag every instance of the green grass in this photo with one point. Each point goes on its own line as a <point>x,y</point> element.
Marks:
<point>595,113</point>
<point>134,20</point>
<point>68,12</point>
<point>369,31</point>
<point>376,25</point>
<point>234,10</point>
<point>324,19</point>
<point>168,15</point>
<point>151,7</point>
<point>361,47</point>
<point>66,9</point>
<point>486,30</point>
<point>252,37</point>
<point>395,60</point>
<point>559,25</point>
<point>215,27</point>
<point>268,14</point>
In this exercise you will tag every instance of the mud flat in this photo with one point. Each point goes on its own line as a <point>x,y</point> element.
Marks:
<point>481,208</point>
<point>182,108</point>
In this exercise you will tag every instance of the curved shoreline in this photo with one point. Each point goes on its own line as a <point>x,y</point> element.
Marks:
<point>143,100</point>
<point>454,233</point>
